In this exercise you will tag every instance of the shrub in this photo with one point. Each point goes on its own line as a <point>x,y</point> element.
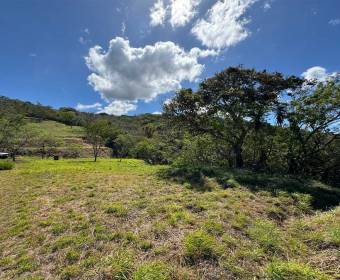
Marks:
<point>200,245</point>
<point>282,270</point>
<point>152,271</point>
<point>6,165</point>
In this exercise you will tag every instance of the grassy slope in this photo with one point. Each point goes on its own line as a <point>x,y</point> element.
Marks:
<point>76,219</point>
<point>68,138</point>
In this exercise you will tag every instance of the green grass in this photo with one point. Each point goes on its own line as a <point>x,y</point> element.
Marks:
<point>69,140</point>
<point>294,270</point>
<point>199,245</point>
<point>152,271</point>
<point>76,219</point>
<point>6,165</point>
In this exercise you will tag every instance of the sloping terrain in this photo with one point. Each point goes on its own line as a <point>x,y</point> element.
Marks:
<point>69,139</point>
<point>76,219</point>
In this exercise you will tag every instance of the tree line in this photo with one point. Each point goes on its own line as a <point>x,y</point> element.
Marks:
<point>239,118</point>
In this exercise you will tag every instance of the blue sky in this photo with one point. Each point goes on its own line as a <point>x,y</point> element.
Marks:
<point>48,53</point>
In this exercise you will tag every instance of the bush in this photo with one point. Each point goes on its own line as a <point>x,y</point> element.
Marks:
<point>150,152</point>
<point>152,271</point>
<point>281,270</point>
<point>6,165</point>
<point>200,245</point>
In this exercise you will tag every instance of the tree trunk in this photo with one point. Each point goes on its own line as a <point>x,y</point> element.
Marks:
<point>237,150</point>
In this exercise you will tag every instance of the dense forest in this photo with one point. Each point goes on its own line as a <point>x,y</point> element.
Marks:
<point>239,118</point>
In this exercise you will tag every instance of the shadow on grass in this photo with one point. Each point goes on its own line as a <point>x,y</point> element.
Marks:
<point>322,196</point>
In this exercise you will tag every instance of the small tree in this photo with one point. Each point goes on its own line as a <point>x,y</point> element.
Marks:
<point>13,134</point>
<point>68,117</point>
<point>97,132</point>
<point>47,145</point>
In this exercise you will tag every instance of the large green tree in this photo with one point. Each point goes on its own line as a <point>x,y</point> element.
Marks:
<point>230,105</point>
<point>313,116</point>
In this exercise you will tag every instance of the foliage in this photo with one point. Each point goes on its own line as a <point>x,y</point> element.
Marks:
<point>230,105</point>
<point>98,132</point>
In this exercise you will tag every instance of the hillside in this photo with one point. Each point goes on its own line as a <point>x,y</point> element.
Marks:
<point>69,139</point>
<point>129,124</point>
<point>76,219</point>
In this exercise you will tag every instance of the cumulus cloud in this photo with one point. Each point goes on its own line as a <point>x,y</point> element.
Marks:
<point>119,107</point>
<point>158,13</point>
<point>319,74</point>
<point>334,22</point>
<point>224,25</point>
<point>84,107</point>
<point>177,12</point>
<point>127,73</point>
<point>182,11</point>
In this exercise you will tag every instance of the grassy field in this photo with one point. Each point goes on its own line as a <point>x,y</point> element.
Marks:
<point>76,219</point>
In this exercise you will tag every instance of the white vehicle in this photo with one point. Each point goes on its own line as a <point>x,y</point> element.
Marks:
<point>4,155</point>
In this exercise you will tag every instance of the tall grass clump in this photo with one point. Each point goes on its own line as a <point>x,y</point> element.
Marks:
<point>200,245</point>
<point>6,165</point>
<point>282,270</point>
<point>152,271</point>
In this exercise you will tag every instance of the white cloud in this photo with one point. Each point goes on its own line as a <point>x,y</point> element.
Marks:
<point>182,11</point>
<point>119,107</point>
<point>319,74</point>
<point>225,25</point>
<point>33,55</point>
<point>157,113</point>
<point>334,22</point>
<point>83,107</point>
<point>123,28</point>
<point>82,40</point>
<point>267,6</point>
<point>158,13</point>
<point>177,12</point>
<point>126,73</point>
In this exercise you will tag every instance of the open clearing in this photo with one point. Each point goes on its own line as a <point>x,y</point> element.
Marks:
<point>76,219</point>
